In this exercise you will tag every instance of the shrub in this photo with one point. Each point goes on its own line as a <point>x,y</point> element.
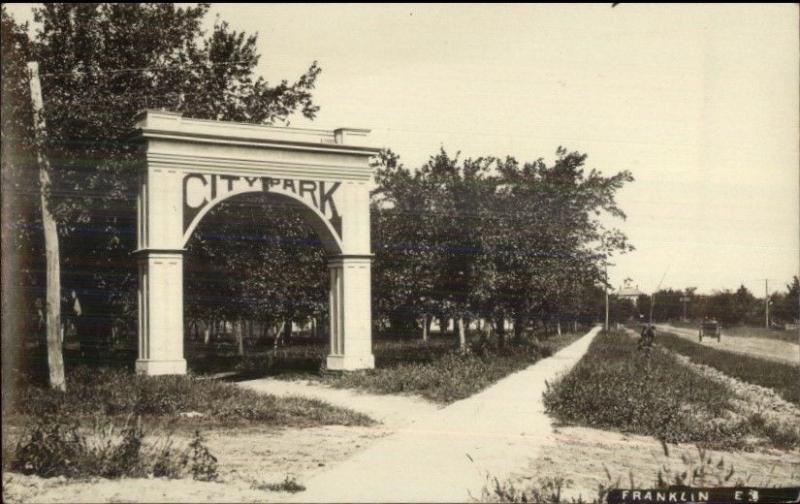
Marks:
<point>56,446</point>
<point>53,447</point>
<point>289,484</point>
<point>203,463</point>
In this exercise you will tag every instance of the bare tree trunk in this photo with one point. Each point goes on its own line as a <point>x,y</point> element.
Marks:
<point>462,334</point>
<point>558,327</point>
<point>239,334</point>
<point>519,328</point>
<point>424,327</point>
<point>486,330</point>
<point>206,332</point>
<point>55,357</point>
<point>287,332</point>
<point>278,334</point>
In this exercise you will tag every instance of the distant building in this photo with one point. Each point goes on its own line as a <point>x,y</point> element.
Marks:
<point>629,291</point>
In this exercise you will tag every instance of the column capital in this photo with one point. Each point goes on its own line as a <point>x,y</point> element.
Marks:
<point>155,251</point>
<point>342,257</point>
<point>337,261</point>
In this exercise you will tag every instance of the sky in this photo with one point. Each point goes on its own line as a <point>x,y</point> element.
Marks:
<point>699,102</point>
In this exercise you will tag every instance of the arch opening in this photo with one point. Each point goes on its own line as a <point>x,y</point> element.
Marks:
<point>255,277</point>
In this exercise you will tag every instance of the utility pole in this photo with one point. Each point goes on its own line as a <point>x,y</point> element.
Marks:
<point>605,266</point>
<point>766,303</point>
<point>653,295</point>
<point>55,358</point>
<point>685,300</point>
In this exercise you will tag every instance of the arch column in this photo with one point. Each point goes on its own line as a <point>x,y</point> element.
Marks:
<point>350,313</point>
<point>160,312</point>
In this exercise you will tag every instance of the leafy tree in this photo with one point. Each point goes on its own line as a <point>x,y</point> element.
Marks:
<point>493,239</point>
<point>403,237</point>
<point>786,305</point>
<point>100,65</point>
<point>267,266</point>
<point>551,243</point>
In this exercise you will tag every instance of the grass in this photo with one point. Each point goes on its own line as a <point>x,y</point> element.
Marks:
<point>118,394</point>
<point>617,386</point>
<point>90,429</point>
<point>434,369</point>
<point>781,377</point>
<point>449,375</point>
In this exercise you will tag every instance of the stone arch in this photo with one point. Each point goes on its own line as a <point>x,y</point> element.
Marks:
<point>189,166</point>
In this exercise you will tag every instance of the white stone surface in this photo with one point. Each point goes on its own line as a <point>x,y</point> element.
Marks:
<point>189,166</point>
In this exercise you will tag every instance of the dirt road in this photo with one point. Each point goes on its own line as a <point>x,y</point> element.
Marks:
<point>770,349</point>
<point>446,455</point>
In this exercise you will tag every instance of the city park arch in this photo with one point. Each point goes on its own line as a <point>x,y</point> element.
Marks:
<point>190,165</point>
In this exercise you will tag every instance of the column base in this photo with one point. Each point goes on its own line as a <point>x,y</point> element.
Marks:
<point>350,362</point>
<point>161,367</point>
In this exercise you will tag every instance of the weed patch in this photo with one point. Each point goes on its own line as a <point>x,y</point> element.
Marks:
<point>289,484</point>
<point>56,446</point>
<point>617,386</point>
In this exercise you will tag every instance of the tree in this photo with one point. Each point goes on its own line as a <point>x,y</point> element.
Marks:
<point>786,305</point>
<point>492,239</point>
<point>100,65</point>
<point>267,266</point>
<point>548,238</point>
<point>22,237</point>
<point>404,241</point>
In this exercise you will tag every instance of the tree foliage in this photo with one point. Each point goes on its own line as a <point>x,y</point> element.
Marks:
<point>492,238</point>
<point>100,64</point>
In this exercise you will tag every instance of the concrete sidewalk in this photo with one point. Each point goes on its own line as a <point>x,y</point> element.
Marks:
<point>446,455</point>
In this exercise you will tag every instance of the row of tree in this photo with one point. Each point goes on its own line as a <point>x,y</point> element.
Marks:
<point>727,306</point>
<point>480,238</point>
<point>492,239</point>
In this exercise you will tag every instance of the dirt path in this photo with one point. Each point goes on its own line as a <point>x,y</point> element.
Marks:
<point>446,455</point>
<point>249,458</point>
<point>771,349</point>
<point>393,411</point>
